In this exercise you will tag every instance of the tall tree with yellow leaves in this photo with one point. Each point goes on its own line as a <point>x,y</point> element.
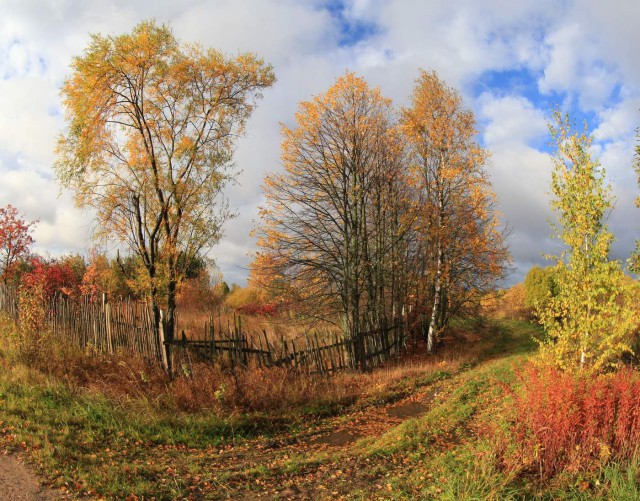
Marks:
<point>152,125</point>
<point>634,261</point>
<point>589,320</point>
<point>460,248</point>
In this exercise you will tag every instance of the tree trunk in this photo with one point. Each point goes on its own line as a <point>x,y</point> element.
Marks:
<point>435,311</point>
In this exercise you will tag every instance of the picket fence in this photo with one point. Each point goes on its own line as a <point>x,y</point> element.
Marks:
<point>128,326</point>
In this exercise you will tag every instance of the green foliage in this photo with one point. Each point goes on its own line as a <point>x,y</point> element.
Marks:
<point>540,285</point>
<point>590,319</point>
<point>223,289</point>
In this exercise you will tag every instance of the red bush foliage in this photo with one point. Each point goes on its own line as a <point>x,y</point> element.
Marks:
<point>573,422</point>
<point>260,309</point>
<point>15,239</point>
<point>52,276</point>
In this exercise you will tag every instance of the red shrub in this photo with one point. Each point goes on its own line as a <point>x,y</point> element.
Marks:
<point>261,309</point>
<point>570,421</point>
<point>52,276</point>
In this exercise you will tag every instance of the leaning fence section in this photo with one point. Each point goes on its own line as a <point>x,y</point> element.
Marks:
<point>315,352</point>
<point>131,327</point>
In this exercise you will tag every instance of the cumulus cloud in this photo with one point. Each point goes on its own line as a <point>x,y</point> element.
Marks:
<point>511,120</point>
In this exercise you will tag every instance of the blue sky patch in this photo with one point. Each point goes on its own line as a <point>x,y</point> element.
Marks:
<point>351,31</point>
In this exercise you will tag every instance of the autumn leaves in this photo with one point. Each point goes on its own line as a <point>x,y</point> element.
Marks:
<point>152,127</point>
<point>590,320</point>
<point>381,214</point>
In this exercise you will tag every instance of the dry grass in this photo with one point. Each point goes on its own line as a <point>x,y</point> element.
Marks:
<point>283,390</point>
<point>277,392</point>
<point>284,326</point>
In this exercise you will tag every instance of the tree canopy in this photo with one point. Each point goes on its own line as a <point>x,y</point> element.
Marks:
<point>376,214</point>
<point>152,125</point>
<point>15,239</point>
<point>461,251</point>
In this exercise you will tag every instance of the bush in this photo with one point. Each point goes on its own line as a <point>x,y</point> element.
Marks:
<point>540,285</point>
<point>575,422</point>
<point>509,303</point>
<point>240,297</point>
<point>259,309</point>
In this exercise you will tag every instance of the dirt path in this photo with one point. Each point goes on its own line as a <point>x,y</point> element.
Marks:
<point>18,482</point>
<point>231,469</point>
<point>375,421</point>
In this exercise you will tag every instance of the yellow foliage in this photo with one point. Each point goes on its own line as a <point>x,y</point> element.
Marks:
<point>509,303</point>
<point>243,296</point>
<point>150,138</point>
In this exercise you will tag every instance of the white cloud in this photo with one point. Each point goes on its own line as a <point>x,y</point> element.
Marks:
<point>28,127</point>
<point>512,119</point>
<point>620,121</point>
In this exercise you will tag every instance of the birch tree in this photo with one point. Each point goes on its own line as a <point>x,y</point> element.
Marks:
<point>461,251</point>
<point>589,320</point>
<point>152,125</point>
<point>634,261</point>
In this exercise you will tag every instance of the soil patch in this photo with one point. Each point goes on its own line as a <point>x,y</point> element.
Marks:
<point>415,408</point>
<point>338,438</point>
<point>405,411</point>
<point>18,482</point>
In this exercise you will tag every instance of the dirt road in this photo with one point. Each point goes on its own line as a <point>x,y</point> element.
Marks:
<point>19,483</point>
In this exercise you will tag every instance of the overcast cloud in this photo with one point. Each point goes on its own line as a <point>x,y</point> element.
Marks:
<point>512,61</point>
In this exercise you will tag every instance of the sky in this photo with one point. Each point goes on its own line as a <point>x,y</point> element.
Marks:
<point>513,62</point>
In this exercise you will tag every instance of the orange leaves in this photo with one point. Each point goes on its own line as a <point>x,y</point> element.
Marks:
<point>463,249</point>
<point>323,231</point>
<point>366,204</point>
<point>152,124</point>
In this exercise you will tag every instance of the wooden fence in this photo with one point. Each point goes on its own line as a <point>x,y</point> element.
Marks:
<point>126,326</point>
<point>129,326</point>
<point>312,352</point>
<point>9,300</point>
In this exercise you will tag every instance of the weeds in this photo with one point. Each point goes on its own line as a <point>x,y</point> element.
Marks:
<point>571,422</point>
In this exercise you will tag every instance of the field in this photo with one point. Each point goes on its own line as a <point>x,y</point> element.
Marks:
<point>430,427</point>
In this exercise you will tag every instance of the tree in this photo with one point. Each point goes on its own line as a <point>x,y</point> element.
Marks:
<point>333,222</point>
<point>589,321</point>
<point>15,239</point>
<point>540,286</point>
<point>460,251</point>
<point>152,125</point>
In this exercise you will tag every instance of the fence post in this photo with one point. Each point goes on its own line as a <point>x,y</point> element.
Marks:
<point>107,319</point>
